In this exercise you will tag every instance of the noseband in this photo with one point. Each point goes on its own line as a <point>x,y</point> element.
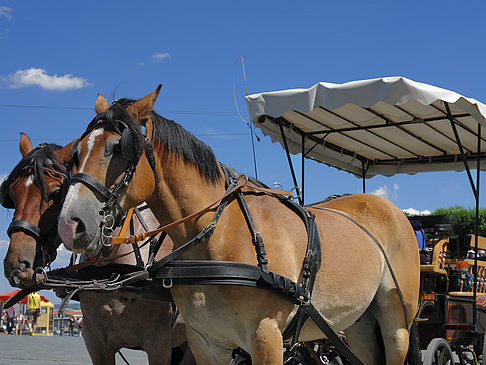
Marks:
<point>112,211</point>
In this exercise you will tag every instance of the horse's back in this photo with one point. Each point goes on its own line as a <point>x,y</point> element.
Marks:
<point>386,222</point>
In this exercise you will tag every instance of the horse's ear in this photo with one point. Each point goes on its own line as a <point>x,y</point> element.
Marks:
<point>145,105</point>
<point>101,104</point>
<point>25,145</point>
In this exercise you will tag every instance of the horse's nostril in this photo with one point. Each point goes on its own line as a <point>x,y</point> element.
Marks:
<point>24,265</point>
<point>80,228</point>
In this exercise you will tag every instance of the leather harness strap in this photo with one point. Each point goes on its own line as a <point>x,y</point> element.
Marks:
<point>142,236</point>
<point>25,227</point>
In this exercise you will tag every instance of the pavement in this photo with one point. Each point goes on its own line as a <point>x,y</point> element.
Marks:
<point>47,350</point>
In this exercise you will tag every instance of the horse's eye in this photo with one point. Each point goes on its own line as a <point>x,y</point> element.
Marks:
<point>117,148</point>
<point>53,195</point>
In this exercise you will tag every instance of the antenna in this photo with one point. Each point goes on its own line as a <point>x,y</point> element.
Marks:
<point>249,124</point>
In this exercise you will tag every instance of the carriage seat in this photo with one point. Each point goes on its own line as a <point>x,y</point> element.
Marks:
<point>437,265</point>
<point>470,241</point>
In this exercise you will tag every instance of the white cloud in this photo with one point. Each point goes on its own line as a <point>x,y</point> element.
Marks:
<point>6,12</point>
<point>413,211</point>
<point>39,77</point>
<point>159,57</point>
<point>385,192</point>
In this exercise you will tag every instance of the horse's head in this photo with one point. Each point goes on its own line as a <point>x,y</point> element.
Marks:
<point>105,159</point>
<point>33,189</point>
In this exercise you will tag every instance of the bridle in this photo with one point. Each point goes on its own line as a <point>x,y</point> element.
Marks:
<point>112,211</point>
<point>19,225</point>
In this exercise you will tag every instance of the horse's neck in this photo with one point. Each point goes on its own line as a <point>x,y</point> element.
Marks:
<point>182,191</point>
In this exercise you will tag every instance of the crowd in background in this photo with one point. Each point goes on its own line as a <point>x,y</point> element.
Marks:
<point>12,321</point>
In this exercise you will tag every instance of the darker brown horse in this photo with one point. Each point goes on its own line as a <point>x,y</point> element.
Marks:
<point>111,320</point>
<point>353,289</point>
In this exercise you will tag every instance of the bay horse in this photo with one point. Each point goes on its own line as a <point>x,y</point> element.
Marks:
<point>353,290</point>
<point>111,320</point>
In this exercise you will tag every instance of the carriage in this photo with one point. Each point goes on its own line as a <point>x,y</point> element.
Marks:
<point>384,126</point>
<point>389,126</point>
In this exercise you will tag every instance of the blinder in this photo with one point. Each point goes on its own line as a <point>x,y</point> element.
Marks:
<point>5,199</point>
<point>126,146</point>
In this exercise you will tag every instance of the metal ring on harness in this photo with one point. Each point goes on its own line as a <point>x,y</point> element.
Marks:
<point>169,283</point>
<point>298,193</point>
<point>42,271</point>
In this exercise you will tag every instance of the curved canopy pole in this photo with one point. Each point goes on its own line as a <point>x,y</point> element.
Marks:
<point>292,171</point>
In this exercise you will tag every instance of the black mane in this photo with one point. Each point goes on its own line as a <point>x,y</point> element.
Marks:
<point>179,141</point>
<point>165,132</point>
<point>34,163</point>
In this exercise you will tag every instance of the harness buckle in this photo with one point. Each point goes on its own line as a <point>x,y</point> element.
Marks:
<point>167,283</point>
<point>233,181</point>
<point>305,299</point>
<point>297,192</point>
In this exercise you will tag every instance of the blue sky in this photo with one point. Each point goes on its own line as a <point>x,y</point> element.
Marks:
<point>61,54</point>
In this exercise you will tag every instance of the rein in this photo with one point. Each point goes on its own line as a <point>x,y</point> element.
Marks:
<point>94,260</point>
<point>141,237</point>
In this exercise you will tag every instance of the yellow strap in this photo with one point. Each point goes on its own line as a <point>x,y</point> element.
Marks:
<point>126,223</point>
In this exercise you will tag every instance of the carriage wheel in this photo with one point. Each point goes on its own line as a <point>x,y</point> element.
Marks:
<point>438,353</point>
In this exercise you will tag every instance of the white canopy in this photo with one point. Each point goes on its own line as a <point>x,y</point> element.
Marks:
<point>373,127</point>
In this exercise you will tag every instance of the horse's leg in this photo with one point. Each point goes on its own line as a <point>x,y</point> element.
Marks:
<point>188,358</point>
<point>158,349</point>
<point>207,350</point>
<point>362,340</point>
<point>99,352</point>
<point>389,313</point>
<point>267,347</point>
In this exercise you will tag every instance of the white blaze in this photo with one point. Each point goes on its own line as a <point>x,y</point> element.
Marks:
<point>29,181</point>
<point>73,190</point>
